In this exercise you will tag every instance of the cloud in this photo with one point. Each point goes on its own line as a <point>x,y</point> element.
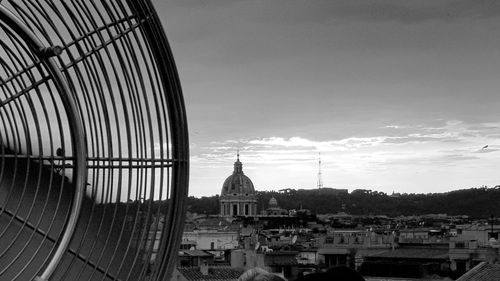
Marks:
<point>299,142</point>
<point>394,126</point>
<point>319,10</point>
<point>413,146</point>
<point>418,11</point>
<point>404,11</point>
<point>415,139</point>
<point>437,155</point>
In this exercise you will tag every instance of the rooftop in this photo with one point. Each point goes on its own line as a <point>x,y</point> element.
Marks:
<point>397,279</point>
<point>214,273</point>
<point>482,272</point>
<point>414,253</point>
<point>194,253</point>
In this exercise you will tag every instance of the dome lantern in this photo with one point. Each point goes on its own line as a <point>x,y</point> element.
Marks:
<point>238,167</point>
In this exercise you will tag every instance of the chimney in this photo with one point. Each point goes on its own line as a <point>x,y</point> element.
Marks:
<point>492,255</point>
<point>204,269</point>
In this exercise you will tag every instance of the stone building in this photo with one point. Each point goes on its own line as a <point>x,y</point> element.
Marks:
<point>238,196</point>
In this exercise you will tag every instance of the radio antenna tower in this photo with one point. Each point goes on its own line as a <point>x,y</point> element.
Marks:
<point>320,180</point>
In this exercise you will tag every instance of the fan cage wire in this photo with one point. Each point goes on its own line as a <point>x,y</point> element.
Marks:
<point>92,35</point>
<point>10,24</point>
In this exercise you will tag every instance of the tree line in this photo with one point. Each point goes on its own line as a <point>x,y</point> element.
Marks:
<point>474,202</point>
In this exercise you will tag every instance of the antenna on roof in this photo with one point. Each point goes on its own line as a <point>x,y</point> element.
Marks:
<point>320,180</point>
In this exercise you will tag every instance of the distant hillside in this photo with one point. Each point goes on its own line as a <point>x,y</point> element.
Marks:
<point>475,202</point>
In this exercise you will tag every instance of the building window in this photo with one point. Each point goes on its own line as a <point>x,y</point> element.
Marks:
<point>493,235</point>
<point>212,245</point>
<point>246,210</point>
<point>461,266</point>
<point>188,246</point>
<point>235,210</point>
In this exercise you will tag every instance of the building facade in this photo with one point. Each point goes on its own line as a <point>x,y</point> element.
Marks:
<point>211,239</point>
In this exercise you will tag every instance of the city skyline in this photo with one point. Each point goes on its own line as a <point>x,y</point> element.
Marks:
<point>396,95</point>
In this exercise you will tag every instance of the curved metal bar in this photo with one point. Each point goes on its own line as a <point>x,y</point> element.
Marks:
<point>167,69</point>
<point>45,54</point>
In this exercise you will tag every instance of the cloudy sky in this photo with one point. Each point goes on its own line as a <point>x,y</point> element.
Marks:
<point>397,95</point>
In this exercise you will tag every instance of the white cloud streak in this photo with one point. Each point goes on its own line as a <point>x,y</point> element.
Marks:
<point>417,148</point>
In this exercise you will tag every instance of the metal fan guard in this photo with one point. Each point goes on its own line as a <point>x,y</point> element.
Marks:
<point>93,142</point>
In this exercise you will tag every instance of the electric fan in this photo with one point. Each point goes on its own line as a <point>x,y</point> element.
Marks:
<point>93,142</point>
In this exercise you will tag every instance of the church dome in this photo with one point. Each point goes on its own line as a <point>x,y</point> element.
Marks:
<point>238,183</point>
<point>273,203</point>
